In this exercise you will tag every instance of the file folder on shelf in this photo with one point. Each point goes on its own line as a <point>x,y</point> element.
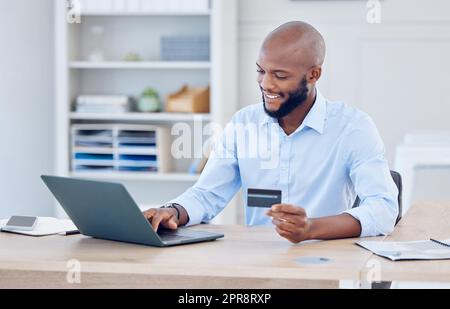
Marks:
<point>120,147</point>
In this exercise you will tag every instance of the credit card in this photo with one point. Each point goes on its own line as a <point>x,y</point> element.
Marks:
<point>263,198</point>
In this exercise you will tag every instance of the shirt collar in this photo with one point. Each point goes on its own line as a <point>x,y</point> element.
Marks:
<point>315,119</point>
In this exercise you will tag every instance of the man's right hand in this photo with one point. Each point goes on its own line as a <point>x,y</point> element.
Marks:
<point>167,217</point>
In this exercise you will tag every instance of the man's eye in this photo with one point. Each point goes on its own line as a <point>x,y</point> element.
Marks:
<point>280,76</point>
<point>260,71</point>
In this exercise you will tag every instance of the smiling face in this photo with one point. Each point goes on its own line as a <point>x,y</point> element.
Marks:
<point>293,100</point>
<point>283,88</point>
<point>288,66</point>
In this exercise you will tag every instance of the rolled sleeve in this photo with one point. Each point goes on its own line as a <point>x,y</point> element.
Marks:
<point>376,217</point>
<point>193,207</point>
<point>372,180</point>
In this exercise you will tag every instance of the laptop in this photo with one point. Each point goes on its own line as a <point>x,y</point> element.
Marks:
<point>106,210</point>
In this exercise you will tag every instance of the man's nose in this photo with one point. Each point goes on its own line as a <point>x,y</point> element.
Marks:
<point>267,83</point>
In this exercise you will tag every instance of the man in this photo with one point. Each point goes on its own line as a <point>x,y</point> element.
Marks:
<point>327,154</point>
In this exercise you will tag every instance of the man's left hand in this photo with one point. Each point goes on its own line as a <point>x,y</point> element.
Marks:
<point>291,222</point>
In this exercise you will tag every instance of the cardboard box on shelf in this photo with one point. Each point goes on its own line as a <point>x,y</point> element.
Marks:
<point>189,100</point>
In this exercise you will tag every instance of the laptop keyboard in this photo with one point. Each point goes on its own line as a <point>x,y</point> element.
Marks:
<point>181,234</point>
<point>170,236</point>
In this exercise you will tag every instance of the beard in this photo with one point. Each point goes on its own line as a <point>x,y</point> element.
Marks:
<point>294,100</point>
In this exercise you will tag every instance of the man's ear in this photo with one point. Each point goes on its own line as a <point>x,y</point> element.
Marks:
<point>314,74</point>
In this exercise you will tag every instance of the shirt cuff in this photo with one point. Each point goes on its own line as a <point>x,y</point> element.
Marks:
<point>195,212</point>
<point>361,214</point>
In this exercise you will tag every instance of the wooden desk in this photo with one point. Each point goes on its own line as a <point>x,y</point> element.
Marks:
<point>248,257</point>
<point>423,221</point>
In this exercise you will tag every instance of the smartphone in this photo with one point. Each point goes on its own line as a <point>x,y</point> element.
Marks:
<point>21,223</point>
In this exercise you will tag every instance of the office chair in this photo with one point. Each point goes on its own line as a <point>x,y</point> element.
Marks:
<point>398,181</point>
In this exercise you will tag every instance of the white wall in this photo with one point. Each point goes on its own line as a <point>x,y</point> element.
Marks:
<point>397,70</point>
<point>26,106</point>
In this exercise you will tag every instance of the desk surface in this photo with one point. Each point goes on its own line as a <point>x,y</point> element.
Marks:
<point>248,257</point>
<point>423,221</point>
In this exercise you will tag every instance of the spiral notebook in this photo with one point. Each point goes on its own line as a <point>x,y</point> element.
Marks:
<point>431,249</point>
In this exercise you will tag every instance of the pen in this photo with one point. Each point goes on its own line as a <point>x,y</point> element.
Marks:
<point>440,242</point>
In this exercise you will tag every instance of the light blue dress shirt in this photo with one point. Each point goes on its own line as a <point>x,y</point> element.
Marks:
<point>335,155</point>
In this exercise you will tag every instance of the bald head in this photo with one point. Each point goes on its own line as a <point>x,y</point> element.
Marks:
<point>289,65</point>
<point>299,41</point>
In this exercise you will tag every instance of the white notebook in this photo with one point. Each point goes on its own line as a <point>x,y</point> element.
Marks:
<point>431,249</point>
<point>45,226</point>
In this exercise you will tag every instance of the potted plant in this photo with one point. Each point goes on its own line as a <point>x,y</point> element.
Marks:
<point>149,101</point>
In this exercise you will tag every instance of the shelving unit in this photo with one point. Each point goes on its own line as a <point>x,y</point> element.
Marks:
<point>143,65</point>
<point>147,117</point>
<point>173,13</point>
<point>140,31</point>
<point>178,177</point>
